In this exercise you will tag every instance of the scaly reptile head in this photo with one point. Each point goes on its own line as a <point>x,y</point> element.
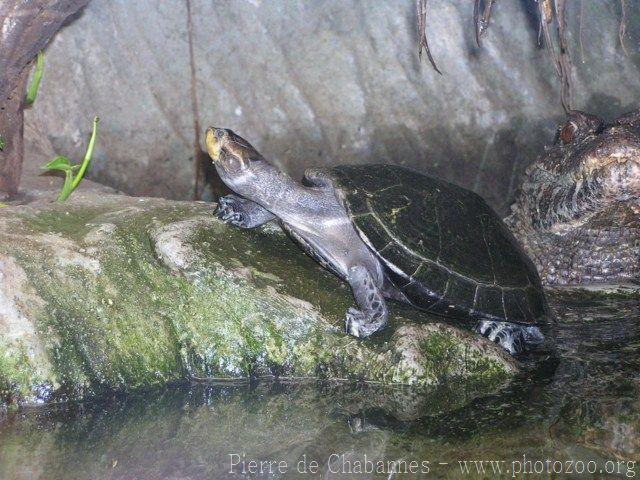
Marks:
<point>230,152</point>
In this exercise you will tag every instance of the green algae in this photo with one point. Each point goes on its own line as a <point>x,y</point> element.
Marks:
<point>245,304</point>
<point>134,324</point>
<point>16,378</point>
<point>280,263</point>
<point>74,223</point>
<point>597,294</point>
<point>445,354</point>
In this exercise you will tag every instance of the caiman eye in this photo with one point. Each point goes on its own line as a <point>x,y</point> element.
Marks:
<point>568,131</point>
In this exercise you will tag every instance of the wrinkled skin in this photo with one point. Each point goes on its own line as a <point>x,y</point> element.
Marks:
<point>577,212</point>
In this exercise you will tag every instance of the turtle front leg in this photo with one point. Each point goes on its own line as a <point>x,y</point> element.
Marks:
<point>241,212</point>
<point>373,314</point>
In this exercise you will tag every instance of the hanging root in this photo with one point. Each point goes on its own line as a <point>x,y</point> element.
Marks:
<point>550,12</point>
<point>580,31</point>
<point>422,33</point>
<point>546,17</point>
<point>564,59</point>
<point>623,26</point>
<point>481,16</point>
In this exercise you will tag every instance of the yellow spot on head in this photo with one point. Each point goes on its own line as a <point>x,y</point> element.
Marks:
<point>212,144</point>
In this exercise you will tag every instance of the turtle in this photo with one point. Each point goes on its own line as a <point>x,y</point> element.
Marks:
<point>391,233</point>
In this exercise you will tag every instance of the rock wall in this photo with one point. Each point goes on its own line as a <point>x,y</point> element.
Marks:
<point>318,82</point>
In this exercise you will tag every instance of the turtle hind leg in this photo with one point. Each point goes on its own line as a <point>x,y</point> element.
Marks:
<point>241,212</point>
<point>513,337</point>
<point>373,314</point>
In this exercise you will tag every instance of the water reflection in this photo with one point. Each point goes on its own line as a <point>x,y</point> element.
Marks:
<point>583,406</point>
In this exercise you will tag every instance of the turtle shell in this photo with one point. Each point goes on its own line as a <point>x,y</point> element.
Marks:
<point>443,246</point>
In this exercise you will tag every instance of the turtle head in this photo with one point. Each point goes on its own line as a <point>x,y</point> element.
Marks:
<point>239,165</point>
<point>231,154</point>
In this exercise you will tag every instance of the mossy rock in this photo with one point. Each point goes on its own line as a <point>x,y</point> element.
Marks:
<point>108,292</point>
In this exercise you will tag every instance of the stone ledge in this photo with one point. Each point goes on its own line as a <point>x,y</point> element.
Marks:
<point>109,292</point>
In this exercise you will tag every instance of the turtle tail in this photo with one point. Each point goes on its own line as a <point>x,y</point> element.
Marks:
<point>513,337</point>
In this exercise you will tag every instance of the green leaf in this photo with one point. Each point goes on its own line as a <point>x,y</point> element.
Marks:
<point>32,91</point>
<point>59,163</point>
<point>2,143</point>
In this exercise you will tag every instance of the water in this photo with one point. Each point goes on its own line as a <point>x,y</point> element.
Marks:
<point>577,414</point>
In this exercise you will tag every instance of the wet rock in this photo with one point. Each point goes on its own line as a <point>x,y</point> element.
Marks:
<point>108,292</point>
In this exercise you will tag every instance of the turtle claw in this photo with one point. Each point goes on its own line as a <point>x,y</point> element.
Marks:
<point>360,325</point>
<point>229,211</point>
<point>241,212</point>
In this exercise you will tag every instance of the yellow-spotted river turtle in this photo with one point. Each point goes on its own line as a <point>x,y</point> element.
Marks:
<point>392,233</point>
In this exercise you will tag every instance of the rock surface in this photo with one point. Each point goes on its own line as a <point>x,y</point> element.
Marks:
<point>313,83</point>
<point>108,292</point>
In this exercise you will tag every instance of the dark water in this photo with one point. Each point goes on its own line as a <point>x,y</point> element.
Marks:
<point>577,414</point>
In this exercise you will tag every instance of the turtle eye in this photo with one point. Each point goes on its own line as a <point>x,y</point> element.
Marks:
<point>219,133</point>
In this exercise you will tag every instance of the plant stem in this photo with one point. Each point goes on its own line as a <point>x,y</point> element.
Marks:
<point>72,183</point>
<point>88,155</point>
<point>32,91</point>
